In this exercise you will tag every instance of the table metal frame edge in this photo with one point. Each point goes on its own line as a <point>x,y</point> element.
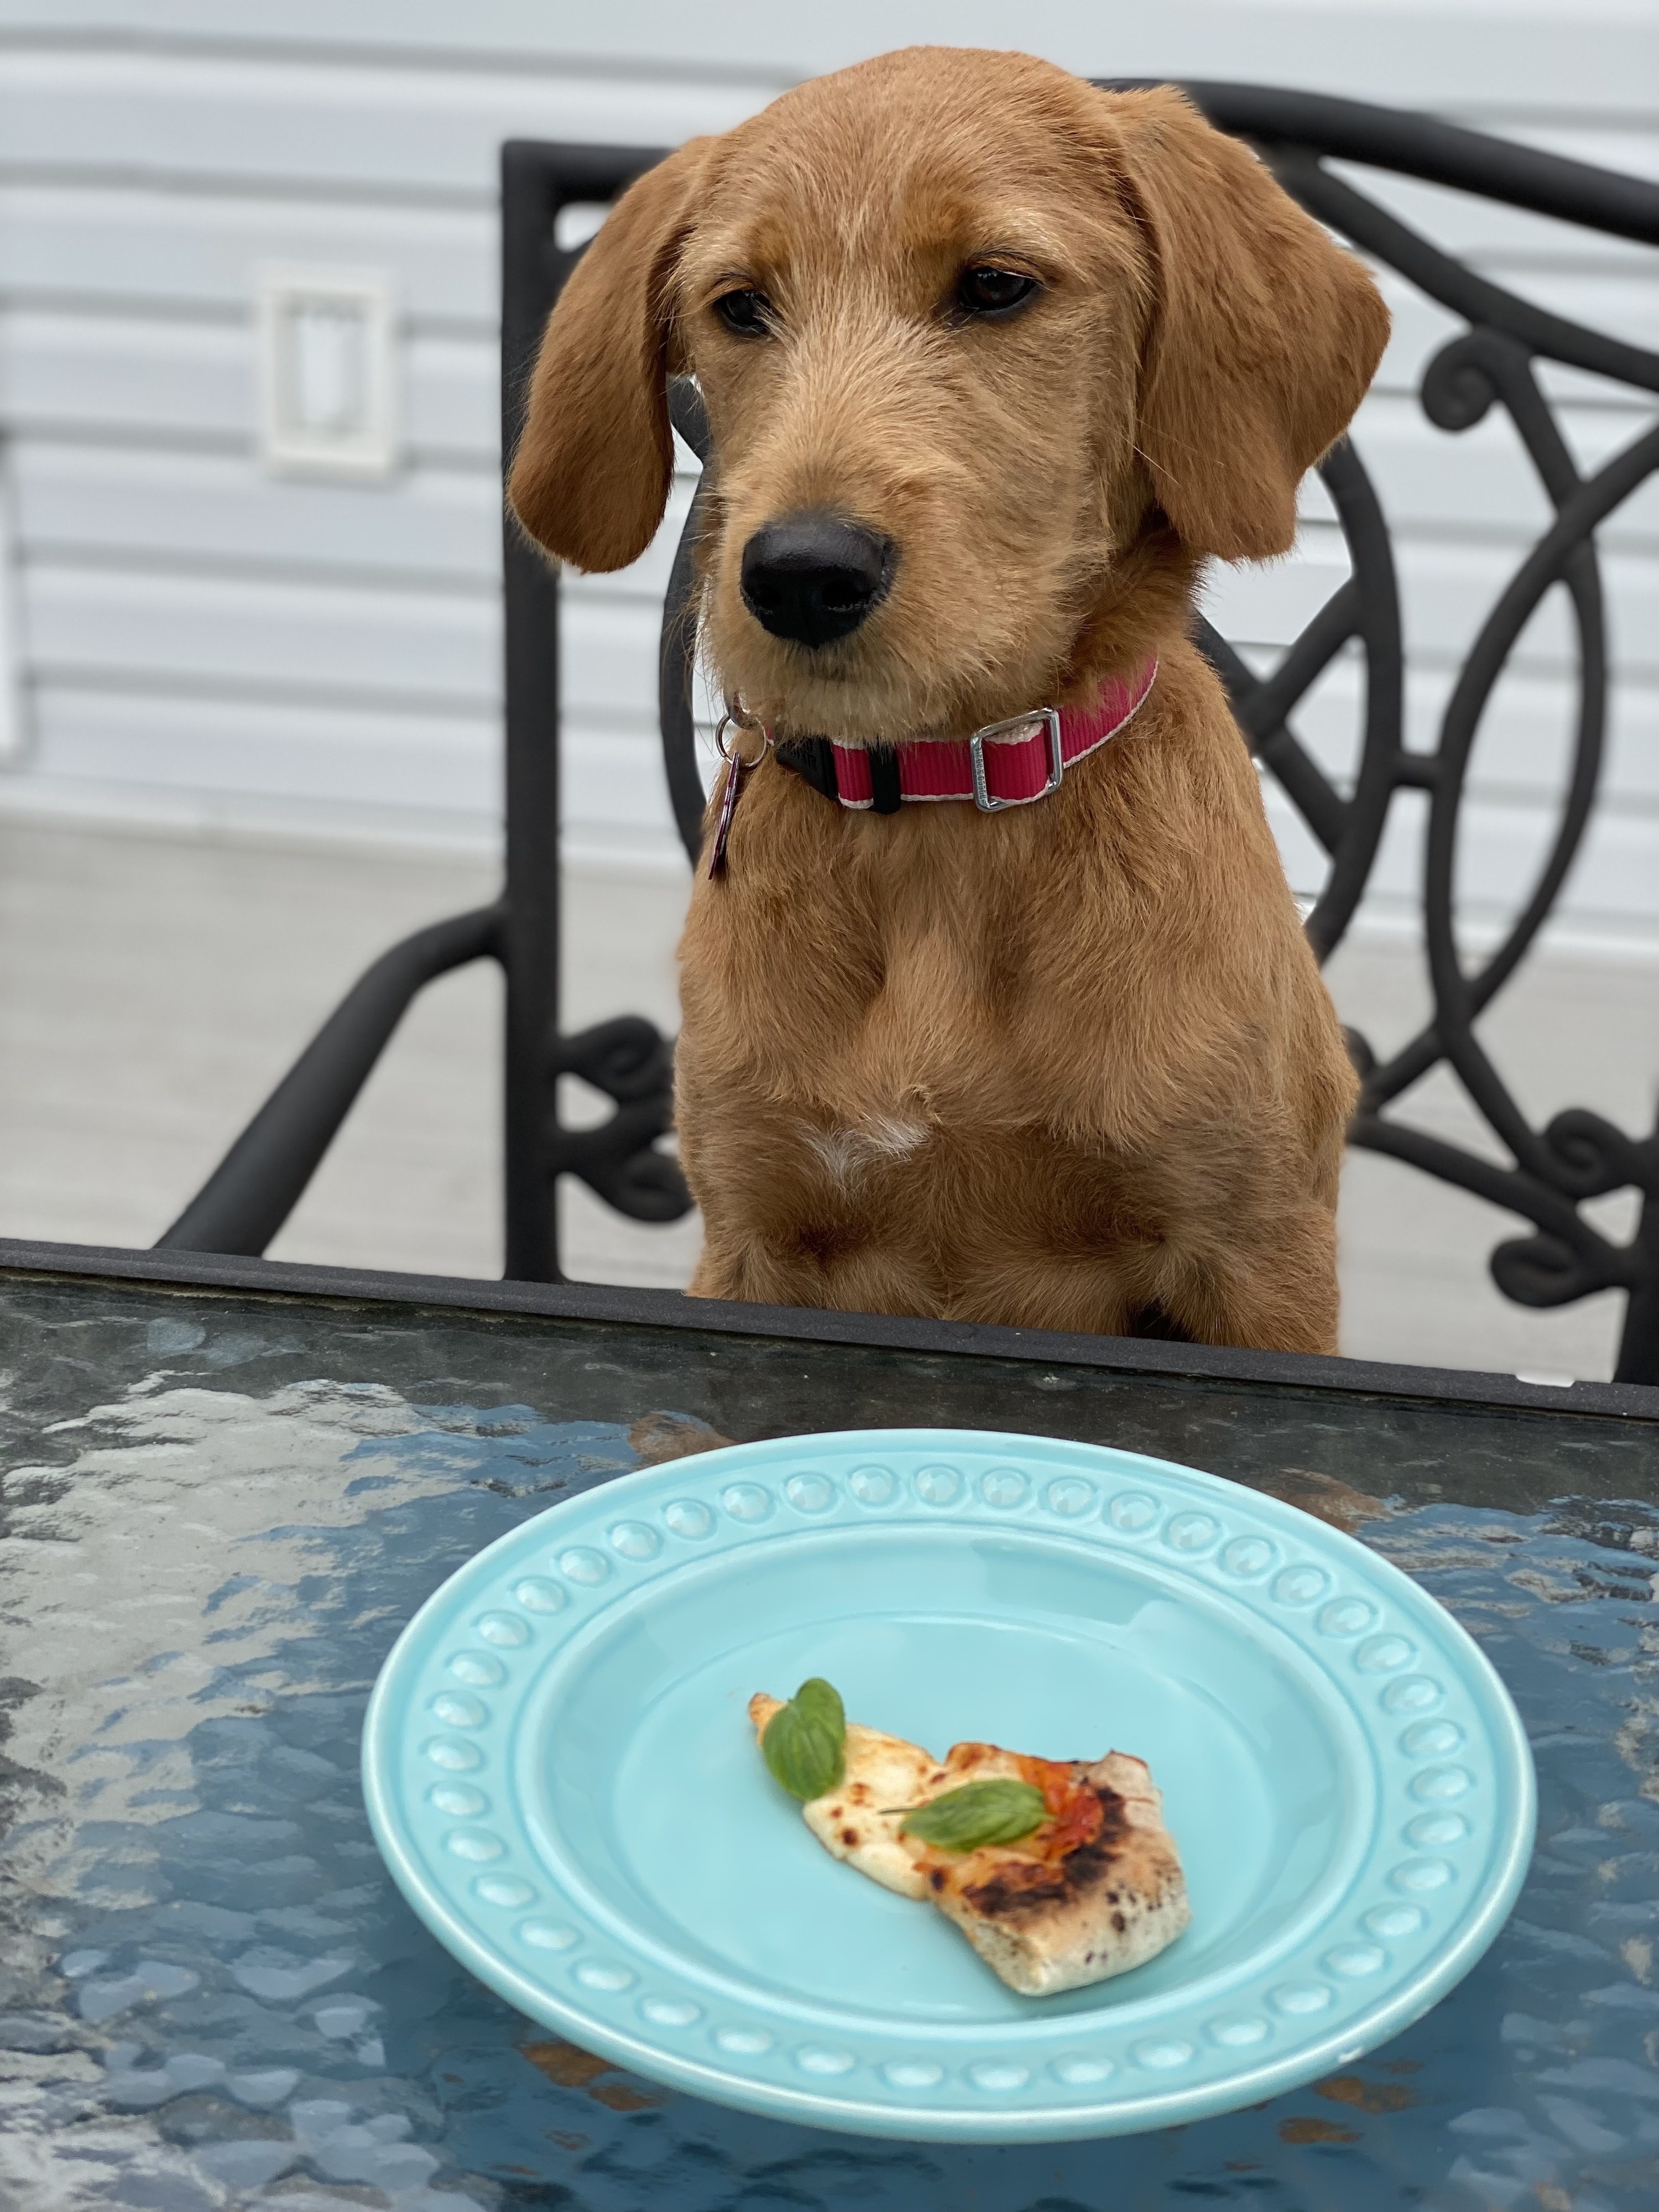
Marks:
<point>1153,1359</point>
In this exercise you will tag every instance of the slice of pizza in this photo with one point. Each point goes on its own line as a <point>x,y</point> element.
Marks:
<point>1060,1873</point>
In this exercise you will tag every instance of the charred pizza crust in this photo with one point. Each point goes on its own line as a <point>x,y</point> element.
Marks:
<point>1047,1919</point>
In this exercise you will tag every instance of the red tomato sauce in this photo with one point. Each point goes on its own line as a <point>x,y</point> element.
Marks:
<point>1075,1812</point>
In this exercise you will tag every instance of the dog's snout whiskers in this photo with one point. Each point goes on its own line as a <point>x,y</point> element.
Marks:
<point>814,577</point>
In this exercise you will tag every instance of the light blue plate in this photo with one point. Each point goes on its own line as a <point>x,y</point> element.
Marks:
<point>561,1776</point>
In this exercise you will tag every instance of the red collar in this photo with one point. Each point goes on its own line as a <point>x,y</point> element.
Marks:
<point>1004,764</point>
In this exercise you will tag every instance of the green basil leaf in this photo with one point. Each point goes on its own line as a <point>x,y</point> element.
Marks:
<point>995,1812</point>
<point>804,1742</point>
<point>821,1701</point>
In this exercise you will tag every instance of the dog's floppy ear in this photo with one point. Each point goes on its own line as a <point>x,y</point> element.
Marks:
<point>591,476</point>
<point>1263,339</point>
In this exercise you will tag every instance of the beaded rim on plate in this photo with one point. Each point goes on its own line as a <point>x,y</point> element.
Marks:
<point>1456,1789</point>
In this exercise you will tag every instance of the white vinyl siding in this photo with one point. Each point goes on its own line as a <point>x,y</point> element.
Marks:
<point>203,639</point>
<point>197,639</point>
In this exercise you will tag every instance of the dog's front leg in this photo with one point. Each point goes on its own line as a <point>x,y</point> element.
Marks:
<point>1271,1286</point>
<point>815,1267</point>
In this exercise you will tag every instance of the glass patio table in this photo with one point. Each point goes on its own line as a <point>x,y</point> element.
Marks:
<point>226,1485</point>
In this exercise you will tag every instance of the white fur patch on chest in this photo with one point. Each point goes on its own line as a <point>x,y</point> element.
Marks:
<point>845,1154</point>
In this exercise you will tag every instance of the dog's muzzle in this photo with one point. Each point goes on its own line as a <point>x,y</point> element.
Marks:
<point>814,577</point>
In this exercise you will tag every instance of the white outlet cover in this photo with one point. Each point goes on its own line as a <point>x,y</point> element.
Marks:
<point>327,372</point>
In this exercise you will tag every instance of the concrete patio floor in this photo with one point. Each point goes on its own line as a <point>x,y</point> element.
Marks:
<point>153,987</point>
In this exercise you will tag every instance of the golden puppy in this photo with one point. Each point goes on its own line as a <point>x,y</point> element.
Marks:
<point>992,361</point>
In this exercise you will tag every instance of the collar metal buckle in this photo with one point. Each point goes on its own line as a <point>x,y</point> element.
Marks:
<point>1049,718</point>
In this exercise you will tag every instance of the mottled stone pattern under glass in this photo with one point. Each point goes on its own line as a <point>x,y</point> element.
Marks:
<point>218,1511</point>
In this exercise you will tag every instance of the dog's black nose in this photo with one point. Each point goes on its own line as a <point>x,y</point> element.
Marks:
<point>814,577</point>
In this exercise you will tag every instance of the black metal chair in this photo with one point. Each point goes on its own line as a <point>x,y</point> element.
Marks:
<point>1578,1156</point>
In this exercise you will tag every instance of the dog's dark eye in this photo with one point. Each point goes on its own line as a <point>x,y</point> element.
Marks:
<point>746,313</point>
<point>992,291</point>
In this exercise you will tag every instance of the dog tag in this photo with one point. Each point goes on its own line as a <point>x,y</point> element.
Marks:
<point>734,775</point>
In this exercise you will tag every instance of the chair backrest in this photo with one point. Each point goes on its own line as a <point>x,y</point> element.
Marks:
<point>1491,362</point>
